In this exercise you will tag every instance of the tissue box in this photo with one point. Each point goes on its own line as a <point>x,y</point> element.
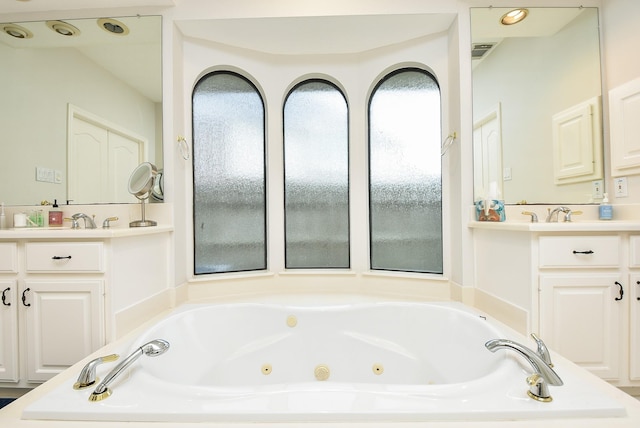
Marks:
<point>495,212</point>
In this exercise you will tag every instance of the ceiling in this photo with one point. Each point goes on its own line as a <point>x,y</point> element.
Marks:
<point>316,35</point>
<point>541,22</point>
<point>135,58</point>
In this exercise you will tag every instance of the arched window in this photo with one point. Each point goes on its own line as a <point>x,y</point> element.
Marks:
<point>405,191</point>
<point>316,176</point>
<point>228,175</point>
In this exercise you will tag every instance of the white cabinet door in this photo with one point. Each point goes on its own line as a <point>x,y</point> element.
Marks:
<point>9,332</point>
<point>580,319</point>
<point>63,324</point>
<point>634,328</point>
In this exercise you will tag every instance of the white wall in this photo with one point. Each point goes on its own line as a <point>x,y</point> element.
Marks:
<point>37,86</point>
<point>621,38</point>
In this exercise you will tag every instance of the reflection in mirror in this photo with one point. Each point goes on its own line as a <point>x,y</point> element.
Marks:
<point>536,105</point>
<point>81,108</point>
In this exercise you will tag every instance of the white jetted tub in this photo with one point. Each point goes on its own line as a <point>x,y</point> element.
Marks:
<point>324,362</point>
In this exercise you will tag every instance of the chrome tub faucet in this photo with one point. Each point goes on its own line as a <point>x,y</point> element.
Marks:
<point>543,375</point>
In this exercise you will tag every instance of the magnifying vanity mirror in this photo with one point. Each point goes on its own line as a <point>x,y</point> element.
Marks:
<point>537,105</point>
<point>81,108</point>
<point>141,184</point>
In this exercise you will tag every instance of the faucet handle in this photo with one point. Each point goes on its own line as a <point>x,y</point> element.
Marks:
<point>542,351</point>
<point>87,376</point>
<point>534,216</point>
<point>569,213</point>
<point>106,224</point>
<point>74,222</point>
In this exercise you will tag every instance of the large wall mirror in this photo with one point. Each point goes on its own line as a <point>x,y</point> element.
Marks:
<point>81,107</point>
<point>537,105</point>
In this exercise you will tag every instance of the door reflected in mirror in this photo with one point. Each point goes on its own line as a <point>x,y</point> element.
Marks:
<point>532,82</point>
<point>110,71</point>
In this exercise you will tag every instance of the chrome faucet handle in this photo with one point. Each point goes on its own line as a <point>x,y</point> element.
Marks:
<point>74,222</point>
<point>568,214</point>
<point>106,224</point>
<point>542,351</point>
<point>534,216</point>
<point>87,376</point>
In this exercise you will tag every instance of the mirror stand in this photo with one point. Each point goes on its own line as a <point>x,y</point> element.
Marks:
<point>144,222</point>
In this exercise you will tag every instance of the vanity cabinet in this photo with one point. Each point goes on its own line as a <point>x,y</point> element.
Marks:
<point>66,298</point>
<point>576,286</point>
<point>634,307</point>
<point>52,310</point>
<point>580,308</point>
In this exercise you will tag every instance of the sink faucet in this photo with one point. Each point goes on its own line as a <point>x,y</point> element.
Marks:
<point>88,221</point>
<point>555,212</point>
<point>544,375</point>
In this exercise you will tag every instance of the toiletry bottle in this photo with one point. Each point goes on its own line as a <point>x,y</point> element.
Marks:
<point>55,215</point>
<point>606,210</point>
<point>3,219</point>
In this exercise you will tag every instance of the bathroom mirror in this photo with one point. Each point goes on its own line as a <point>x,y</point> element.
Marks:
<point>81,107</point>
<point>525,77</point>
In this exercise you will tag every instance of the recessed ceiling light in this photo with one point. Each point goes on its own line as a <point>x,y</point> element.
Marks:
<point>113,26</point>
<point>17,31</point>
<point>63,28</point>
<point>514,16</point>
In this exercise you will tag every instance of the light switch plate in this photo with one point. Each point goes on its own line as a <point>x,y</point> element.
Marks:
<point>620,184</point>
<point>598,186</point>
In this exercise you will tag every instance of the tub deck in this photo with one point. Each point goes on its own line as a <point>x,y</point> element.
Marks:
<point>164,390</point>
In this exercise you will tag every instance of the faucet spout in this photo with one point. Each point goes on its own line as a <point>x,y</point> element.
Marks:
<point>544,375</point>
<point>88,221</point>
<point>555,212</point>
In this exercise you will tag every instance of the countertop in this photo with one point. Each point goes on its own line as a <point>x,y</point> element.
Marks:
<point>66,233</point>
<point>575,226</point>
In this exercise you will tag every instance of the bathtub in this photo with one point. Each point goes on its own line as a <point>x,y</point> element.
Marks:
<point>310,361</point>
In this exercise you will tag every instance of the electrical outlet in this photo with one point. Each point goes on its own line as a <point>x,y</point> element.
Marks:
<point>621,187</point>
<point>598,186</point>
<point>45,175</point>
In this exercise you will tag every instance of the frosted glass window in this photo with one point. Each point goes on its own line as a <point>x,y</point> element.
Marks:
<point>405,192</point>
<point>316,172</point>
<point>228,175</point>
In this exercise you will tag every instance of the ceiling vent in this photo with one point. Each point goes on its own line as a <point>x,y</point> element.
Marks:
<point>478,50</point>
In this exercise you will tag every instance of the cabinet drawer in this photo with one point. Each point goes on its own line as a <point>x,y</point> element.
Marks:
<point>579,251</point>
<point>64,257</point>
<point>8,257</point>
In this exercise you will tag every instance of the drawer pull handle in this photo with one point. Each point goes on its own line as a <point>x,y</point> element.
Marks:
<point>61,257</point>
<point>583,252</point>
<point>4,296</point>
<point>24,297</point>
<point>638,282</point>
<point>621,291</point>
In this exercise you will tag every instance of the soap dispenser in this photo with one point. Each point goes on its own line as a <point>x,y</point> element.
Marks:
<point>55,216</point>
<point>605,208</point>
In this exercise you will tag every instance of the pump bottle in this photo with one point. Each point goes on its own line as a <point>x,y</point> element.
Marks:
<point>605,208</point>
